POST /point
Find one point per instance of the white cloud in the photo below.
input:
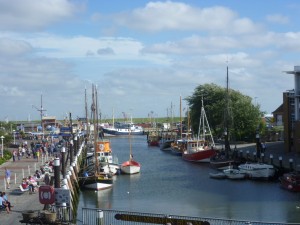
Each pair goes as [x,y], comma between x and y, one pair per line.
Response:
[31,15]
[163,16]
[10,47]
[278,18]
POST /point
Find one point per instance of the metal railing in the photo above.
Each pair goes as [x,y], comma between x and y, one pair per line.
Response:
[94,216]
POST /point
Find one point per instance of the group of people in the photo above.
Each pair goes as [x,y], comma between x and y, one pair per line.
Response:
[34,150]
[32,183]
[21,151]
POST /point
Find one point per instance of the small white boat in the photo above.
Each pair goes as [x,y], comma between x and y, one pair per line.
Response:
[258,170]
[219,175]
[131,166]
[234,174]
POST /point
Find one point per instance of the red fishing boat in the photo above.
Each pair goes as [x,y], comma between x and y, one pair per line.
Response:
[202,148]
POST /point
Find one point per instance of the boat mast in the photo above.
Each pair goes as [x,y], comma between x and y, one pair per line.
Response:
[95,126]
[189,123]
[130,150]
[180,120]
[203,125]
[113,119]
[226,122]
[86,115]
[172,116]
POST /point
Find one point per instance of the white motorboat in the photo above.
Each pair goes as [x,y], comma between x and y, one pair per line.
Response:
[258,170]
[234,174]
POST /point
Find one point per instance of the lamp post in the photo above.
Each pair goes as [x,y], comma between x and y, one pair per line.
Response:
[2,145]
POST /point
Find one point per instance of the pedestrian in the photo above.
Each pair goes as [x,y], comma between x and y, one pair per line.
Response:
[263,147]
[7,177]
[23,151]
[37,155]
[14,155]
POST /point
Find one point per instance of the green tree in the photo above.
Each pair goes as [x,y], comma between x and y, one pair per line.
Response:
[242,116]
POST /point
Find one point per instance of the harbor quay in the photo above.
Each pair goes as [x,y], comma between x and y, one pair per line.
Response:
[26,205]
[274,154]
[23,201]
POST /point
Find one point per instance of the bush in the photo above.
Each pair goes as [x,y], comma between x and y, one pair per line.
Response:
[6,156]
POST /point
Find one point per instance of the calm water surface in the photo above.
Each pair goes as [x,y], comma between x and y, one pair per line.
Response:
[169,185]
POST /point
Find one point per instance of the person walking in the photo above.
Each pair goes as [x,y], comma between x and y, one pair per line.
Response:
[37,154]
[7,177]
[14,155]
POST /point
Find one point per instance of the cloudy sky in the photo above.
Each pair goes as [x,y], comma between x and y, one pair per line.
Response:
[142,55]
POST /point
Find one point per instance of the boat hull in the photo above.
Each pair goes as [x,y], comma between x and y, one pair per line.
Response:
[258,170]
[199,156]
[234,174]
[116,132]
[130,167]
[290,182]
[96,183]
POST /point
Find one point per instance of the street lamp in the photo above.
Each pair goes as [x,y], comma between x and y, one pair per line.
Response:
[2,145]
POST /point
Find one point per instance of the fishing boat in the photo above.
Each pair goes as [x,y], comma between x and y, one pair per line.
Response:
[107,162]
[257,170]
[153,138]
[167,138]
[178,146]
[290,181]
[91,177]
[202,148]
[131,166]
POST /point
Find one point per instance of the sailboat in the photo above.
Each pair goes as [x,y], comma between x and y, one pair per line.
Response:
[202,148]
[131,166]
[223,158]
[91,176]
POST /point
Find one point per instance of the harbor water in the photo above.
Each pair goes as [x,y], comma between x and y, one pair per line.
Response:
[169,185]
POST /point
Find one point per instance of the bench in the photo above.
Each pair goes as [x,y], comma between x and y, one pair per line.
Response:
[2,209]
[22,189]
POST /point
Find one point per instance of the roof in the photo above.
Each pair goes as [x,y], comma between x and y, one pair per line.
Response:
[279,110]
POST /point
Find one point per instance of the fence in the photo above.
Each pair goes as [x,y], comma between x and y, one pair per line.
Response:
[93,216]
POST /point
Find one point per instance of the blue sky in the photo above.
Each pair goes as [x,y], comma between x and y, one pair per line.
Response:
[142,55]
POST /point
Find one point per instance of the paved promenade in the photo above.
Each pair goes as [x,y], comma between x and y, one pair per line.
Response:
[276,150]
[20,200]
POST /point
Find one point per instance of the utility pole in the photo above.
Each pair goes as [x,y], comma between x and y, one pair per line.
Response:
[41,110]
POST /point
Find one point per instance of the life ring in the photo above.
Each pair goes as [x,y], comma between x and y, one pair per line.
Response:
[101,146]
